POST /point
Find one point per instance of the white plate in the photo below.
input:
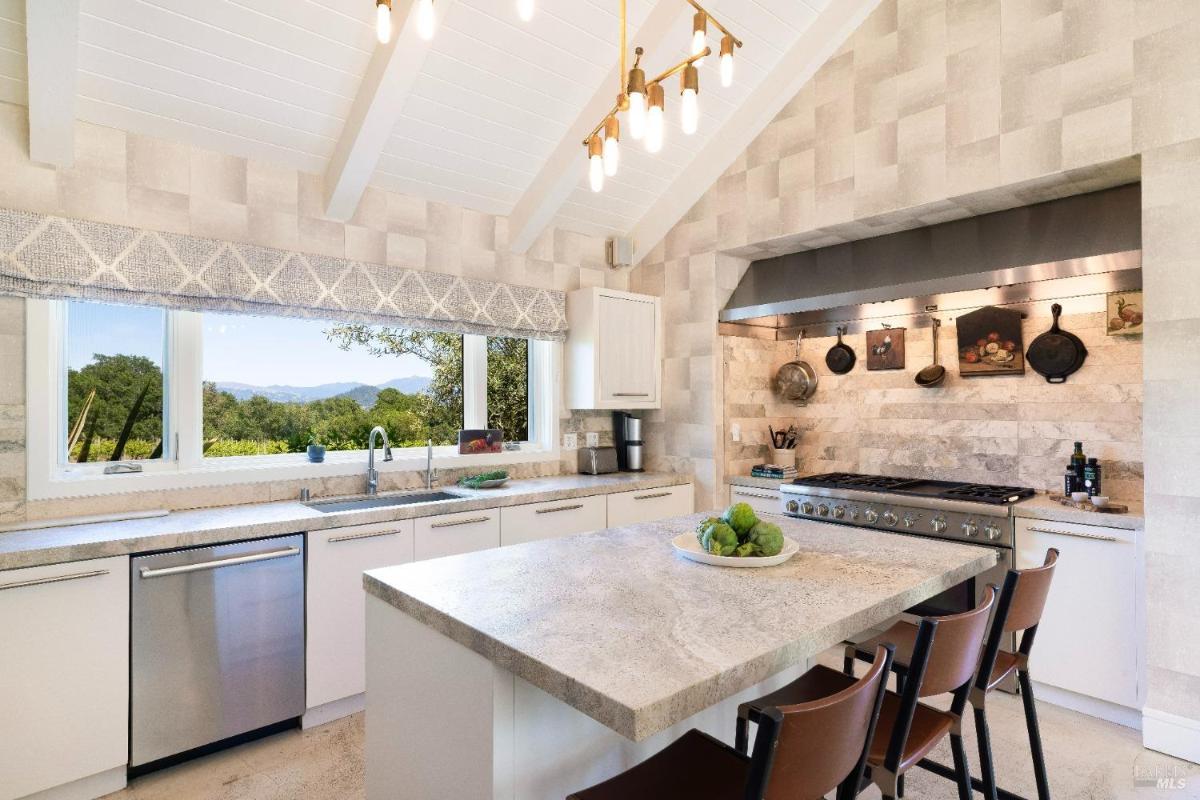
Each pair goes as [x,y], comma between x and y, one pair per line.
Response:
[688,546]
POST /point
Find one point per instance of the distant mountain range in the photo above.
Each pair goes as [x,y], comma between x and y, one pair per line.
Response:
[363,393]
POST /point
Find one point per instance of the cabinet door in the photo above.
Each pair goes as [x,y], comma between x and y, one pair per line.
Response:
[763,501]
[529,523]
[335,641]
[64,673]
[1087,641]
[628,370]
[451,534]
[629,508]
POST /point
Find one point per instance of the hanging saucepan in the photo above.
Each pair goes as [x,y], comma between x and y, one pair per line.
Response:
[1056,353]
[796,381]
[935,373]
[840,358]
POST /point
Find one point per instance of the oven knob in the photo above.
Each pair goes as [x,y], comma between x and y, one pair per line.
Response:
[938,524]
[871,515]
[839,512]
[853,514]
[909,521]
[992,531]
[890,518]
[806,507]
[823,510]
[792,506]
[970,528]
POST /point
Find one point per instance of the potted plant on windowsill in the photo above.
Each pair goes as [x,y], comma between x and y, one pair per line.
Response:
[316,451]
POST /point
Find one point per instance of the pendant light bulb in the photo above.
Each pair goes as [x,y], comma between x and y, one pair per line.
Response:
[525,10]
[596,163]
[690,96]
[426,19]
[383,21]
[612,146]
[655,122]
[727,61]
[699,35]
[635,90]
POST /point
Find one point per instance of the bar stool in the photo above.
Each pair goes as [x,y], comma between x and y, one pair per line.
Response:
[1019,610]
[943,658]
[802,751]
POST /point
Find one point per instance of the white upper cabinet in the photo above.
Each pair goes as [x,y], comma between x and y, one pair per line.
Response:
[614,350]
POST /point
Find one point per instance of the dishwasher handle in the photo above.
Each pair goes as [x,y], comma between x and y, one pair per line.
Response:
[183,569]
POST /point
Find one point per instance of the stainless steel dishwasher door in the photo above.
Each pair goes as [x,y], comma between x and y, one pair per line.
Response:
[218,644]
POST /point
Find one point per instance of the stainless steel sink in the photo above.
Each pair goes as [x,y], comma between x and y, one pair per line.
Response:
[363,503]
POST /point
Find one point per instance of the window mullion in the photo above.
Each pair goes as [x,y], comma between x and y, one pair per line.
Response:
[474,381]
[185,370]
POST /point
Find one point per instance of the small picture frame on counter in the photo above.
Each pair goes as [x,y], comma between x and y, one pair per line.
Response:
[477,442]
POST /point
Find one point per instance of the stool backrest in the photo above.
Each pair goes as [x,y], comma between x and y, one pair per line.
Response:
[954,653]
[1029,596]
[824,743]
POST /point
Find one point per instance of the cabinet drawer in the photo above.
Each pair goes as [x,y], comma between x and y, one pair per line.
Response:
[336,637]
[1092,609]
[64,673]
[528,523]
[452,534]
[763,501]
[629,508]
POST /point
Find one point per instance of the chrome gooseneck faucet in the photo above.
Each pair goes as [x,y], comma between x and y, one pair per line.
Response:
[372,473]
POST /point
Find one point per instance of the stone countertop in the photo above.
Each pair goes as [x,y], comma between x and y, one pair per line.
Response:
[1043,508]
[231,523]
[620,627]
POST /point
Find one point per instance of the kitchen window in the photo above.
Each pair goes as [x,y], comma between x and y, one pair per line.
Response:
[181,398]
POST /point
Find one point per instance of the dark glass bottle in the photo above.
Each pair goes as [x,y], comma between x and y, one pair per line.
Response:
[1092,477]
[1070,481]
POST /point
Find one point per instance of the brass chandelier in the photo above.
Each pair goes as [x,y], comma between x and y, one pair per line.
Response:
[642,100]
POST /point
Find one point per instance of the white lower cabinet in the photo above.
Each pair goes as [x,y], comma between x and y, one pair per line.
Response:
[336,602]
[763,501]
[1089,638]
[647,505]
[529,523]
[452,534]
[64,674]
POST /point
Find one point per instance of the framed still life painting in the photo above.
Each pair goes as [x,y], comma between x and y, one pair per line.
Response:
[990,343]
[1125,313]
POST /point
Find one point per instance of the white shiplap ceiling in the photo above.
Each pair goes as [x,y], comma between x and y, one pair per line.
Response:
[492,99]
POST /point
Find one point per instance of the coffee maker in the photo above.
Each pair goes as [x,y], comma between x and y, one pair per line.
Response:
[627,433]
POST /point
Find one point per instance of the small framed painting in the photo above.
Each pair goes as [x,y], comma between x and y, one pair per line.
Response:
[990,343]
[885,349]
[1125,313]
[474,442]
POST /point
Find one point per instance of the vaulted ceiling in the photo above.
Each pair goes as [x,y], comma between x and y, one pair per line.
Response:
[489,115]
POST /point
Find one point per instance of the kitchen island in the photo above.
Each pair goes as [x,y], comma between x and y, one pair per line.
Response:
[531,671]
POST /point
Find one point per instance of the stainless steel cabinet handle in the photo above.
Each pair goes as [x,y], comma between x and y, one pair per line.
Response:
[652,496]
[354,537]
[56,579]
[148,572]
[740,493]
[470,521]
[631,394]
[1076,534]
[559,508]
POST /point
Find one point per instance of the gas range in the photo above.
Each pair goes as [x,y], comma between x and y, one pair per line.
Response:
[968,512]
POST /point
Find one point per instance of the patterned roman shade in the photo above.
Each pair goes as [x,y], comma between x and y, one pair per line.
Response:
[45,256]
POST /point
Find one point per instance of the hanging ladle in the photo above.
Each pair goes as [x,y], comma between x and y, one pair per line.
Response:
[935,373]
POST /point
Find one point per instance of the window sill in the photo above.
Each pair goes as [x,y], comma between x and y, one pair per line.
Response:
[236,470]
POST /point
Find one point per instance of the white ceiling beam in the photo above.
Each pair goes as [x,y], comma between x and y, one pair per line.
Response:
[377,107]
[557,178]
[802,60]
[52,48]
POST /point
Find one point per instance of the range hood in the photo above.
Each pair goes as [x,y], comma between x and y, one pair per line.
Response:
[1074,247]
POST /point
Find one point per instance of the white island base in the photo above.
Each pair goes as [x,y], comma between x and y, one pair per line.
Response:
[444,722]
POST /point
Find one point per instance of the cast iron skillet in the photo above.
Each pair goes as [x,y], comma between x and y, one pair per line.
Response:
[840,358]
[1056,353]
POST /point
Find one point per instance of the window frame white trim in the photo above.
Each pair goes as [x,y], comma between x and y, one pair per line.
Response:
[184,466]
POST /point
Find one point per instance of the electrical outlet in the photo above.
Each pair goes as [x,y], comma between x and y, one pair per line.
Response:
[592,439]
[571,441]
[735,432]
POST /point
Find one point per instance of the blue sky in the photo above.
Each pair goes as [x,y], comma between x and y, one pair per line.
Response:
[241,349]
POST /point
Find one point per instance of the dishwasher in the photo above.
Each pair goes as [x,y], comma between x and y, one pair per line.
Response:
[217,641]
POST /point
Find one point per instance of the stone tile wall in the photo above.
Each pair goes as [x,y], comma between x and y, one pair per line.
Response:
[1015,430]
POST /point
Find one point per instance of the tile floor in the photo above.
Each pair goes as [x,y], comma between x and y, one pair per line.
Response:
[1088,759]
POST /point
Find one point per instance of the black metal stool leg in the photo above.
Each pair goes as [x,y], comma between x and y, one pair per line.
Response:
[962,772]
[1035,736]
[900,785]
[986,765]
[741,735]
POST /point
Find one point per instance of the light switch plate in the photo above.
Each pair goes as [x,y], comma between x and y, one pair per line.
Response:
[592,439]
[571,441]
